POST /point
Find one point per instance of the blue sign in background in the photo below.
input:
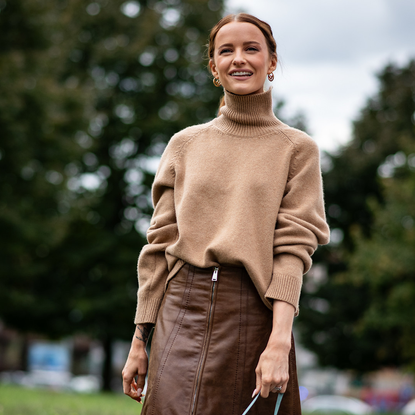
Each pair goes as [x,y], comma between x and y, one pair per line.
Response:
[49,356]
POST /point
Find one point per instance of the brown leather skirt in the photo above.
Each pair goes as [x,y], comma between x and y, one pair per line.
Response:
[206,345]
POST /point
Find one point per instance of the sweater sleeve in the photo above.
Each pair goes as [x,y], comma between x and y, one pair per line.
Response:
[152,263]
[301,224]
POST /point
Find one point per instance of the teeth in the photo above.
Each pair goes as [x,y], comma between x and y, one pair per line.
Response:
[241,74]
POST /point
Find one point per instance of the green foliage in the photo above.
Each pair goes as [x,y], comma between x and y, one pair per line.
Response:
[39,117]
[18,401]
[149,80]
[385,263]
[384,127]
[89,95]
[360,318]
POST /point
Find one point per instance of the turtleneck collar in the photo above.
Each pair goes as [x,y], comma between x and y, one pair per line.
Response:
[247,115]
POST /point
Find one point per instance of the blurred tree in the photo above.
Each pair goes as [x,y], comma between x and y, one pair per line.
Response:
[40,113]
[385,263]
[339,319]
[135,71]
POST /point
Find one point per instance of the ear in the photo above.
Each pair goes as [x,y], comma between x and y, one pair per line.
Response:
[212,67]
[272,64]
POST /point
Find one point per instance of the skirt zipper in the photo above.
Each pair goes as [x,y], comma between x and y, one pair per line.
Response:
[203,357]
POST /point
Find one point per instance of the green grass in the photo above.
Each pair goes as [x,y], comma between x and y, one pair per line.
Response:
[20,401]
[345,413]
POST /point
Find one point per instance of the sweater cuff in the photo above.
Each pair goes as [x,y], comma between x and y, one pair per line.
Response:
[287,279]
[147,311]
[285,288]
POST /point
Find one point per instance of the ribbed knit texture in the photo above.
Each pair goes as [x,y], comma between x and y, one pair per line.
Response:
[248,115]
[244,189]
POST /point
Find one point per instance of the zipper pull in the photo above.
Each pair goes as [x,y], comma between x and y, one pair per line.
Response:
[215,274]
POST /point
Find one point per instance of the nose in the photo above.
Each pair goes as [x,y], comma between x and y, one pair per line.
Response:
[239,58]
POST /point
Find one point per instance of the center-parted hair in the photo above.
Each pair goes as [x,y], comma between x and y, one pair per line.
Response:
[264,27]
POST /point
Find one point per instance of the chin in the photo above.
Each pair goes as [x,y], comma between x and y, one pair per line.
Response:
[243,89]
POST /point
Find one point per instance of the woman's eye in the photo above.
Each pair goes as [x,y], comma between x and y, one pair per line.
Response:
[253,48]
[224,51]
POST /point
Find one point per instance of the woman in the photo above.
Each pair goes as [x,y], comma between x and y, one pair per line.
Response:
[238,213]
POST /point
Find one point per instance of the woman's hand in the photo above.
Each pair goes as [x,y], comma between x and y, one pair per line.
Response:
[272,369]
[135,369]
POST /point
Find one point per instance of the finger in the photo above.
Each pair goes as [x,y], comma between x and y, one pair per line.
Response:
[141,379]
[126,383]
[266,385]
[135,393]
[139,395]
[279,387]
[257,382]
[130,387]
[276,389]
[284,383]
[138,390]
[265,390]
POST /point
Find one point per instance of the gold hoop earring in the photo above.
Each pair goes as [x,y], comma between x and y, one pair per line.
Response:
[271,76]
[216,82]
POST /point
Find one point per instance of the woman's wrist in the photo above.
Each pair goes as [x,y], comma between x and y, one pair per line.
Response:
[279,340]
[283,317]
[141,335]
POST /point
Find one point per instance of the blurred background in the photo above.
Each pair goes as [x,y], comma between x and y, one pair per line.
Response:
[90,93]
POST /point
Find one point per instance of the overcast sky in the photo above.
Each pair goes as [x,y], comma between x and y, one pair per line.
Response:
[330,51]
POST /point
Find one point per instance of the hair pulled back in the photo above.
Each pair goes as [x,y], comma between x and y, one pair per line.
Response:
[264,27]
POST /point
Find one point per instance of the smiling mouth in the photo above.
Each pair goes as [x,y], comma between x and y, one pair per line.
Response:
[241,73]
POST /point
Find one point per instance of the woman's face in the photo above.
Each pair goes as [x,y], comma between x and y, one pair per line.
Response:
[241,58]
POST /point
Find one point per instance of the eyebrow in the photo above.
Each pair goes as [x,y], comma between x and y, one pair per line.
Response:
[245,43]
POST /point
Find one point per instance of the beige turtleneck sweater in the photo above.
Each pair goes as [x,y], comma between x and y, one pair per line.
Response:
[244,189]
